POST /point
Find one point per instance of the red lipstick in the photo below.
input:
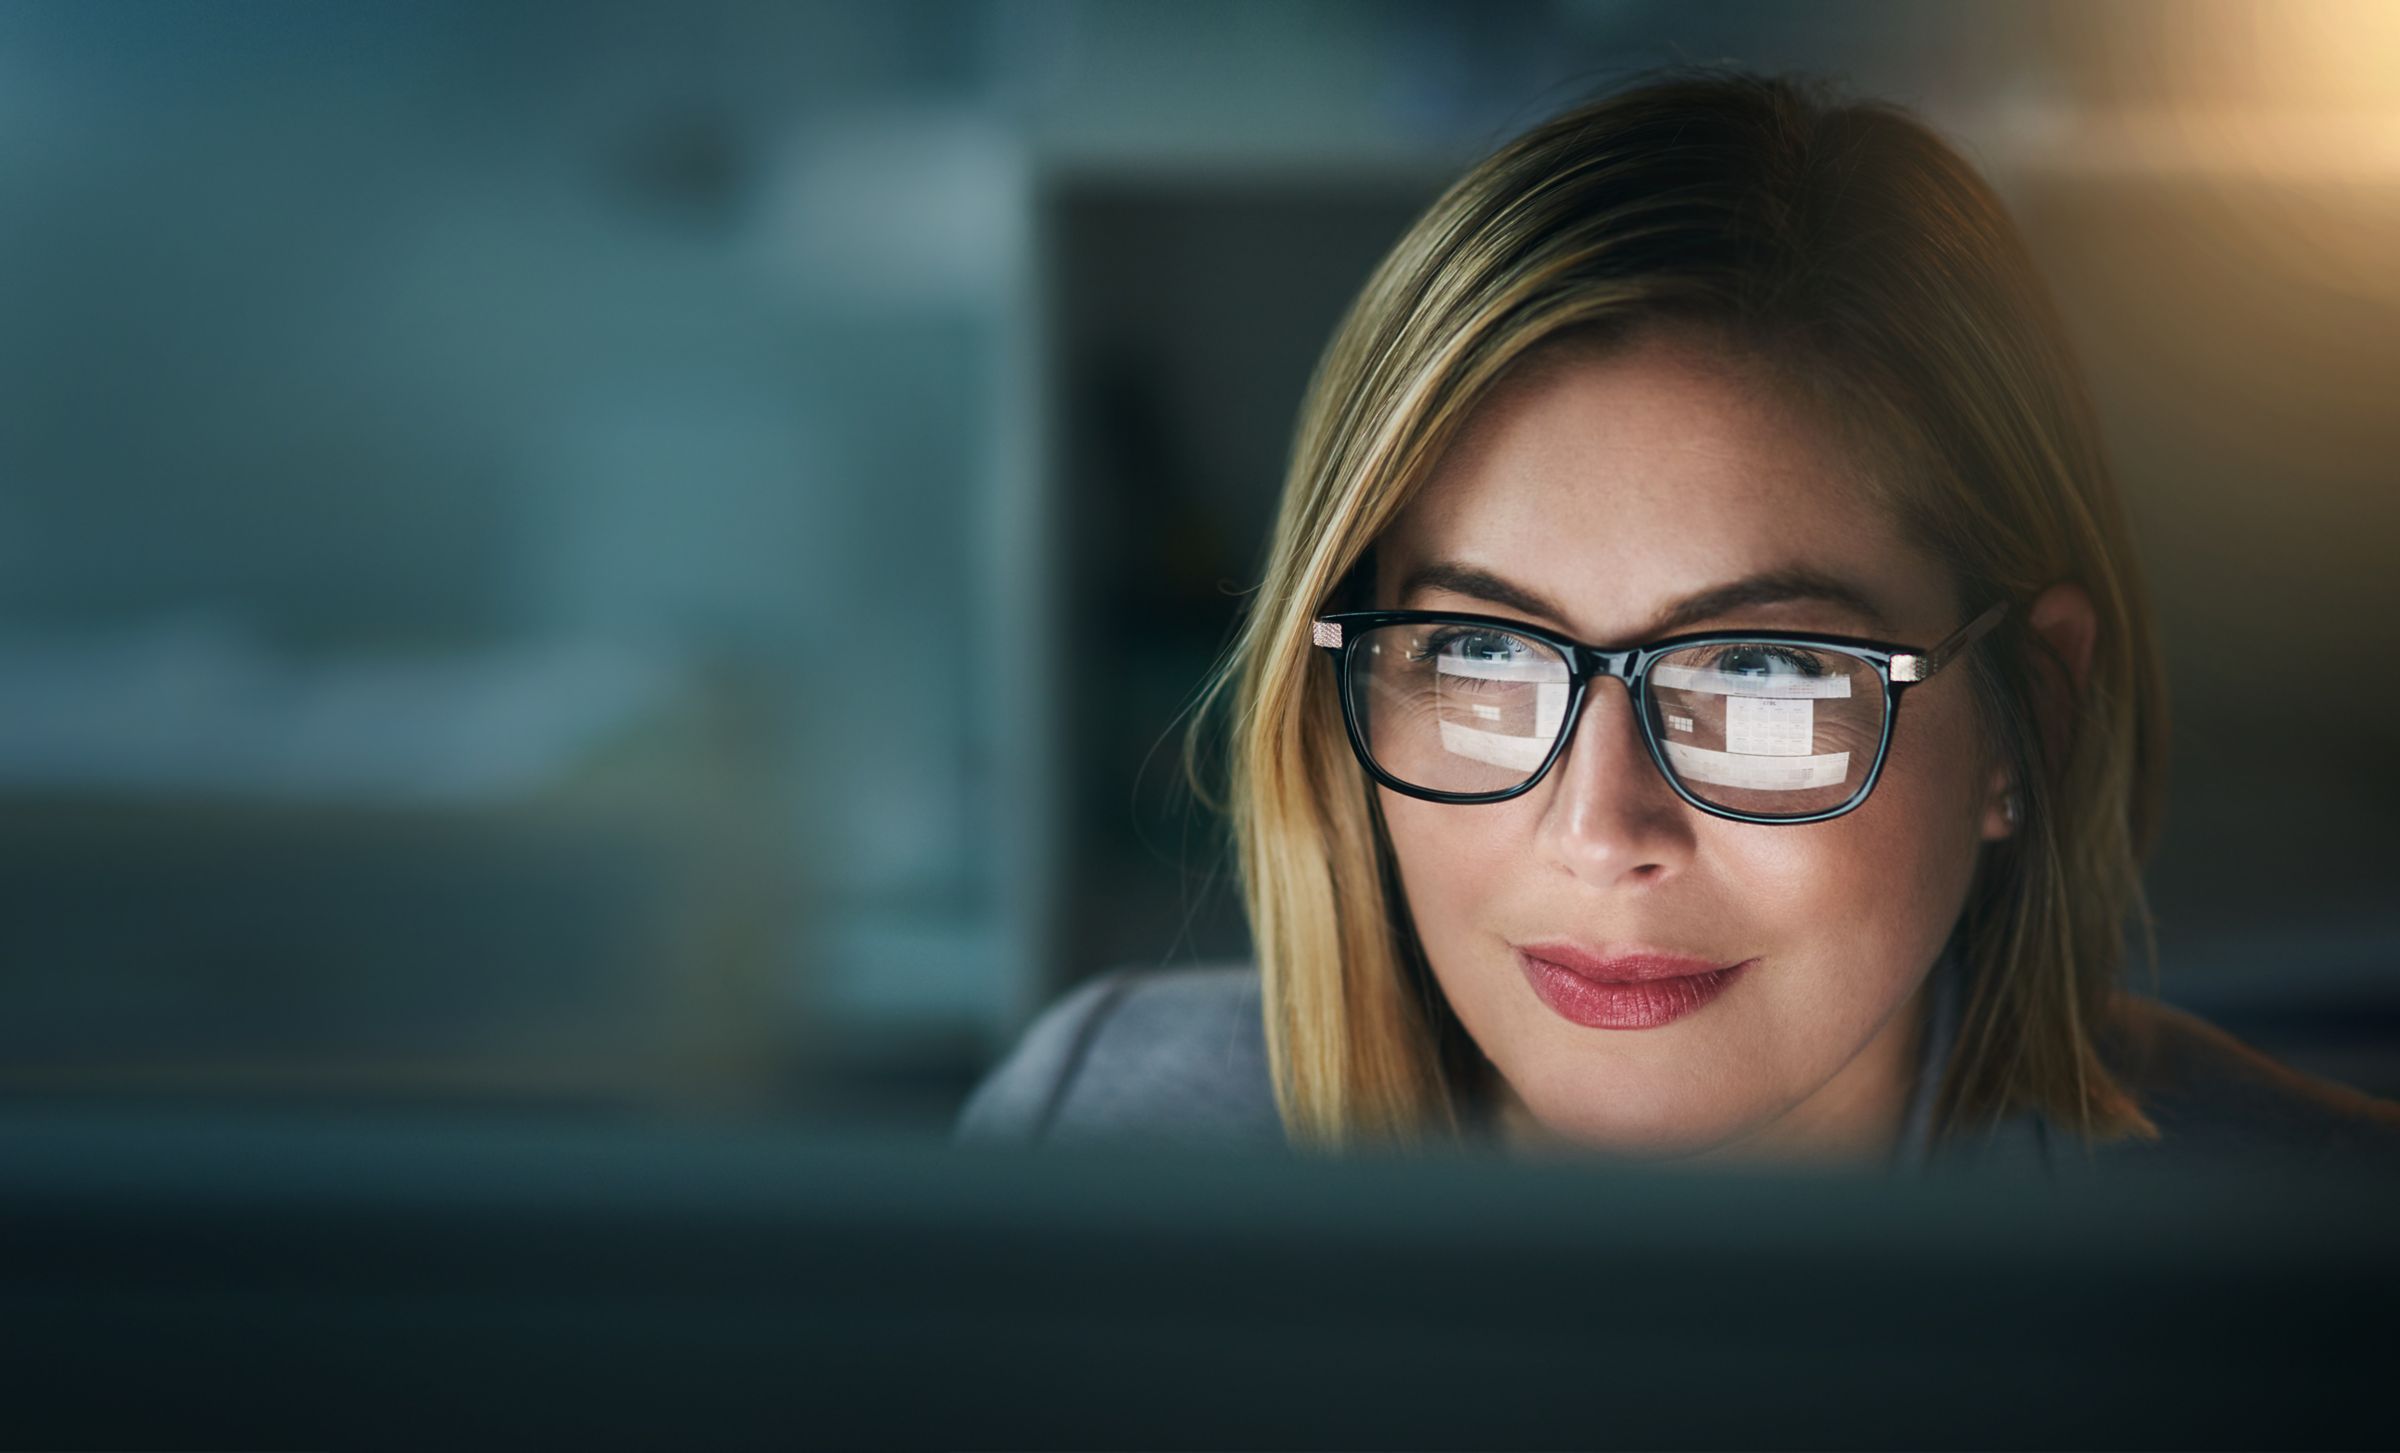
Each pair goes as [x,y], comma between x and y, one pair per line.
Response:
[1623,989]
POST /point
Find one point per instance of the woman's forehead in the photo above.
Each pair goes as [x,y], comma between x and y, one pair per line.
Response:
[1613,485]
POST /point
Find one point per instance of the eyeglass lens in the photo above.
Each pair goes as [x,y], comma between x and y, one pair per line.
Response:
[1764,728]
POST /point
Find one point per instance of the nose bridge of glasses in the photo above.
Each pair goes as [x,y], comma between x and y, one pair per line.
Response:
[1597,667]
[1595,663]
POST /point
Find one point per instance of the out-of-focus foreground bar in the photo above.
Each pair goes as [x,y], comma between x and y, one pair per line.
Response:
[190,1281]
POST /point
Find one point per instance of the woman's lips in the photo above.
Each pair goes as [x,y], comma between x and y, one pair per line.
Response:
[1655,990]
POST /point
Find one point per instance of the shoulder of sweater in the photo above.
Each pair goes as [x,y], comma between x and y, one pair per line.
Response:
[2214,1097]
[1136,1052]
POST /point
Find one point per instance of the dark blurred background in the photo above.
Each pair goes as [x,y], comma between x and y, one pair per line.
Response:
[651,556]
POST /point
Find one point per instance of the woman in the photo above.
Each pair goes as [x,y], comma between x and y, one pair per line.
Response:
[1701,704]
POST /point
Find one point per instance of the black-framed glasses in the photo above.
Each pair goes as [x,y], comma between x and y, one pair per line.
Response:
[1756,726]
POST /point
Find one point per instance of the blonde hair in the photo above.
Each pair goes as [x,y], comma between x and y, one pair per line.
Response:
[1849,249]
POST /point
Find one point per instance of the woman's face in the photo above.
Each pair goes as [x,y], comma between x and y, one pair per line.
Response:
[1599,493]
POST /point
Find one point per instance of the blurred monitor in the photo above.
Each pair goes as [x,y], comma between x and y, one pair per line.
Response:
[182,1280]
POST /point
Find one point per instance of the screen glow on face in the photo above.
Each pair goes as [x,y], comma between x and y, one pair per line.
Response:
[1606,493]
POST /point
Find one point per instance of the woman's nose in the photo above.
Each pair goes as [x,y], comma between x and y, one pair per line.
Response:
[1610,812]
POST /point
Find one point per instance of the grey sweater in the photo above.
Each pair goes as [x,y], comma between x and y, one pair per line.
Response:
[1181,1054]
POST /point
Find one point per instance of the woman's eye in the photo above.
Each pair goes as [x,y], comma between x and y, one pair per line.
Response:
[1759,659]
[1467,645]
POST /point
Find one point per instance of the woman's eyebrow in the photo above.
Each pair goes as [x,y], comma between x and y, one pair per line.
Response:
[1766,587]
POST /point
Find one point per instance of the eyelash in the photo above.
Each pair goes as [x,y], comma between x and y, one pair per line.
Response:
[1802,659]
[1448,635]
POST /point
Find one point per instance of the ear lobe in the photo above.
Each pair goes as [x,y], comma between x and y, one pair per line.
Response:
[1996,821]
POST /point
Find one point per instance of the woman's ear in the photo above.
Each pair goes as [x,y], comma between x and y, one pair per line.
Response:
[2063,619]
[2063,616]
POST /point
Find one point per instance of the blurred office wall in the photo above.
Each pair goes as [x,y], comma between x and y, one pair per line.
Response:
[655,554]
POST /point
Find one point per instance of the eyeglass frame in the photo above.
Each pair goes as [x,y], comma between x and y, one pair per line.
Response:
[1898,666]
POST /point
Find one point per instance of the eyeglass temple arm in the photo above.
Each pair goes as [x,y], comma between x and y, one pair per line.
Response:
[1920,665]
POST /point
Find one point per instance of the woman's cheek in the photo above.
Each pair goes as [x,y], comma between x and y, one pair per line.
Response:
[1457,865]
[1893,876]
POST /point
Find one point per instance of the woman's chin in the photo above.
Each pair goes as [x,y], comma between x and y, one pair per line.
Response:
[1670,1136]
